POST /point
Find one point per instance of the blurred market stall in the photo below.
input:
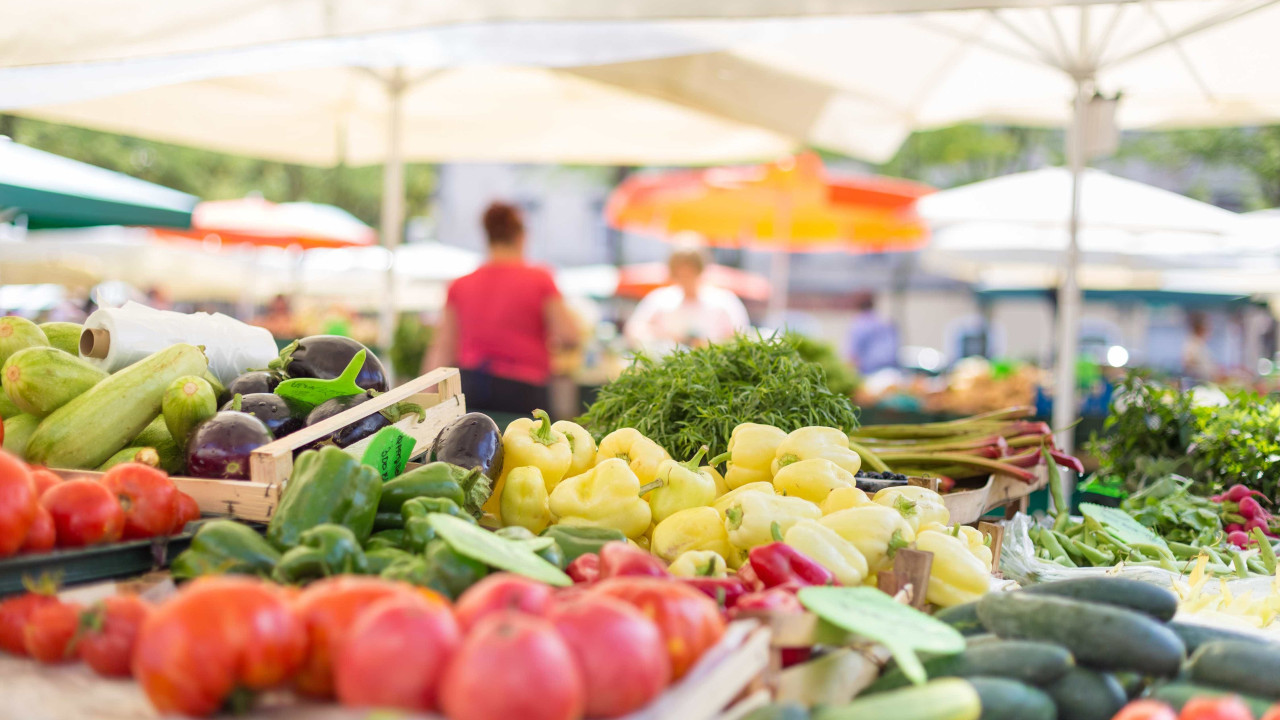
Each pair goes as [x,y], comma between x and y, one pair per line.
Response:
[254,221]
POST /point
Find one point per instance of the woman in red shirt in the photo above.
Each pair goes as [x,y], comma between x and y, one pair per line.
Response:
[501,322]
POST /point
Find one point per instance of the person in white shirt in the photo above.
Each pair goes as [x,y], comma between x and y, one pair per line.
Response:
[687,312]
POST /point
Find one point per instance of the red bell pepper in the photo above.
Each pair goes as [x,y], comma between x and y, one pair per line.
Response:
[585,568]
[748,576]
[778,564]
[725,591]
[618,559]
[777,599]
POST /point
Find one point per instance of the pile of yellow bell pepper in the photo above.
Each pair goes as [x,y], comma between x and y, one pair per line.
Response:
[797,488]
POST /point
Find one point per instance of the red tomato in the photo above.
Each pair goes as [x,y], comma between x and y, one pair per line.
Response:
[690,621]
[512,665]
[415,635]
[620,653]
[1146,710]
[328,609]
[84,513]
[218,634]
[14,613]
[502,591]
[188,511]
[44,479]
[109,630]
[1227,707]
[40,536]
[17,503]
[49,631]
[147,497]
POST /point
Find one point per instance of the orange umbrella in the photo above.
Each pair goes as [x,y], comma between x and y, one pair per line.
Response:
[254,221]
[636,281]
[791,204]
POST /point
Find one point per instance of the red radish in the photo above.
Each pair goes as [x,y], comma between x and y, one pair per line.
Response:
[1256,523]
[1239,492]
[1251,508]
[1234,527]
[1239,539]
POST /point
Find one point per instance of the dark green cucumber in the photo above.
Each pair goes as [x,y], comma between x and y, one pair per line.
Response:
[1244,667]
[1035,663]
[1133,683]
[1083,694]
[1099,636]
[1004,699]
[1178,694]
[963,618]
[1143,597]
[1193,636]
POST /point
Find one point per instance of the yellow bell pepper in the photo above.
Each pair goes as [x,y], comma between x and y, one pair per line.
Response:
[957,576]
[723,502]
[977,544]
[877,531]
[919,505]
[524,499]
[530,442]
[697,528]
[721,486]
[607,495]
[642,454]
[684,485]
[582,447]
[699,563]
[812,480]
[751,450]
[817,442]
[756,519]
[843,499]
[829,550]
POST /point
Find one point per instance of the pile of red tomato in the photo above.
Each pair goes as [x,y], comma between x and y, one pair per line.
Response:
[1227,707]
[40,511]
[511,647]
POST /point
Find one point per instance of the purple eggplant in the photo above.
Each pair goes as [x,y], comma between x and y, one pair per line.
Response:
[271,409]
[219,447]
[253,382]
[356,431]
[324,357]
[471,441]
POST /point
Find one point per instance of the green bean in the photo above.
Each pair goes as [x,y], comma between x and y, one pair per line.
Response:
[1067,545]
[1097,557]
[1052,545]
[1257,566]
[1064,561]
[1183,550]
[1242,568]
[1075,530]
[1268,553]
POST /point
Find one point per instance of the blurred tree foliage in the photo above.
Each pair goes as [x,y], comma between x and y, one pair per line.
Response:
[967,153]
[218,176]
[1253,151]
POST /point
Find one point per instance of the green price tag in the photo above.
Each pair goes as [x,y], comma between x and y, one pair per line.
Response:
[311,392]
[388,451]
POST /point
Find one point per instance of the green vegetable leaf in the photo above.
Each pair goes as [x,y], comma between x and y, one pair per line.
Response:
[482,545]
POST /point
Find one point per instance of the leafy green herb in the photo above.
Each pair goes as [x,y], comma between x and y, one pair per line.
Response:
[692,398]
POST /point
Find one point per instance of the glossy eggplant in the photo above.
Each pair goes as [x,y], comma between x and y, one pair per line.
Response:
[356,431]
[220,446]
[271,409]
[471,441]
[253,382]
[324,357]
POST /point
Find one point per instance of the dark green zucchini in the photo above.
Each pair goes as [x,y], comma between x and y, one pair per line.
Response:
[1134,684]
[963,618]
[1244,667]
[1083,694]
[1099,636]
[1035,663]
[1004,699]
[1178,694]
[1143,597]
[1193,636]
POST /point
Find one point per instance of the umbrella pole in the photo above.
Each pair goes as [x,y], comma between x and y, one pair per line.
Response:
[1069,297]
[392,203]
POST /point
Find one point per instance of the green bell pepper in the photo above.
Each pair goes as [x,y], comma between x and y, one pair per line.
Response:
[440,569]
[327,486]
[388,521]
[437,479]
[384,557]
[417,530]
[544,547]
[323,550]
[385,539]
[580,540]
[225,546]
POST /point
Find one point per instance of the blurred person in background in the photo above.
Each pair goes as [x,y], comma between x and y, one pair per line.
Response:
[873,340]
[687,312]
[502,322]
[278,318]
[1197,359]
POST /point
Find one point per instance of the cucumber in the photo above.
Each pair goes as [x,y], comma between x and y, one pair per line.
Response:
[1003,699]
[1193,636]
[7,408]
[134,453]
[42,379]
[18,431]
[1030,662]
[64,335]
[963,618]
[94,426]
[1243,667]
[1178,694]
[945,699]
[1083,694]
[1143,597]
[156,435]
[17,333]
[1099,636]
[1132,683]
[187,402]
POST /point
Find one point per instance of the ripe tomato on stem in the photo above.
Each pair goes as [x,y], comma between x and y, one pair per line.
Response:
[41,536]
[620,653]
[44,479]
[18,502]
[1146,710]
[108,632]
[84,513]
[15,612]
[502,591]
[50,630]
[1227,707]
[188,511]
[690,622]
[147,497]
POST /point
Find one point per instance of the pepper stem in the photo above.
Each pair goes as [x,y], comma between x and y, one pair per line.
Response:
[646,488]
[896,543]
[693,463]
[905,507]
[787,459]
[722,457]
[543,433]
[733,518]
[775,529]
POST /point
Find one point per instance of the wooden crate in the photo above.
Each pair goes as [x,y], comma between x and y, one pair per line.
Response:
[271,464]
[967,506]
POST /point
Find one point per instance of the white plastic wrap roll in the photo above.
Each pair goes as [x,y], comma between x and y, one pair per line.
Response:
[136,331]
